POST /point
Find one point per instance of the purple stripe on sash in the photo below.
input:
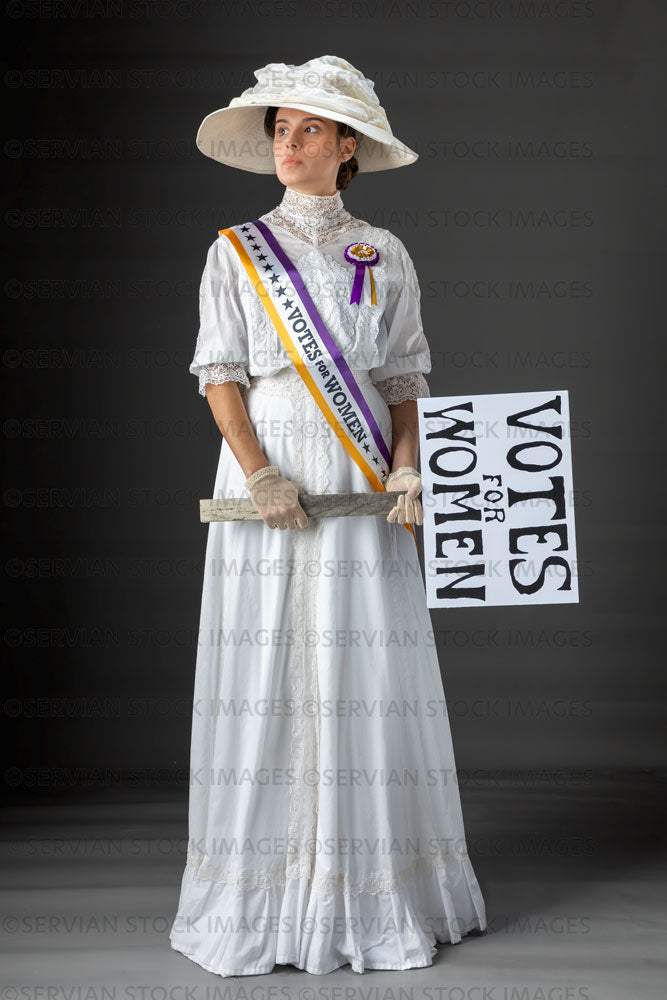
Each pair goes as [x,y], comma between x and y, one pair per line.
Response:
[330,343]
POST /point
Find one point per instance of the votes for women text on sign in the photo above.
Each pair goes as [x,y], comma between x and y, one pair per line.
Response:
[497,498]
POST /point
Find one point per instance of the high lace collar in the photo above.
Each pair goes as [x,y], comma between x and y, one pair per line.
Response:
[314,218]
[319,211]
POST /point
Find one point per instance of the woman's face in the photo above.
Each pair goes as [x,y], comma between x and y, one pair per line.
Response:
[308,152]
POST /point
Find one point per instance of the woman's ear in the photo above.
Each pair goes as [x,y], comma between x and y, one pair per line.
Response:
[347,147]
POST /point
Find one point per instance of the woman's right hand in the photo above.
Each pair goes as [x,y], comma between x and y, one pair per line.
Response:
[277,501]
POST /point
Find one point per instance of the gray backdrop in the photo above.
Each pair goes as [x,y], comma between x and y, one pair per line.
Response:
[535,219]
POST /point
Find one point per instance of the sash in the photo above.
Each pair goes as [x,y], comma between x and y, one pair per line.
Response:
[312,349]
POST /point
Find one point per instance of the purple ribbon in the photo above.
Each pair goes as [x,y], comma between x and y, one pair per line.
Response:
[328,340]
[358,284]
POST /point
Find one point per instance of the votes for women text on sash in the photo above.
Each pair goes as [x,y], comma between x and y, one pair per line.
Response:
[498,499]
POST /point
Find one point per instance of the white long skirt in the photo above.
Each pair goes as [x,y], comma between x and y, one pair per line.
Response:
[325,822]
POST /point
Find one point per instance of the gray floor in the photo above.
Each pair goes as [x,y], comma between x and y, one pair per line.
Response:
[572,872]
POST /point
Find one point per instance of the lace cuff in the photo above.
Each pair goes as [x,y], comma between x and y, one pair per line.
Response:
[398,388]
[223,371]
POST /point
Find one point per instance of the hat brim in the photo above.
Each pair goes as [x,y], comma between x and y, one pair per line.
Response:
[236,137]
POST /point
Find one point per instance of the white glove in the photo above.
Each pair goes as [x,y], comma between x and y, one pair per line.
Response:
[408,507]
[276,499]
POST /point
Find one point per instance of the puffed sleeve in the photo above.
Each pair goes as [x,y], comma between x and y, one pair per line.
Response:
[401,376]
[221,354]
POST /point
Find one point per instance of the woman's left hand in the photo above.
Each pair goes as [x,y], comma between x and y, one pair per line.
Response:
[408,482]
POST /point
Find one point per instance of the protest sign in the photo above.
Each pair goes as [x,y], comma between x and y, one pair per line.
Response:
[498,499]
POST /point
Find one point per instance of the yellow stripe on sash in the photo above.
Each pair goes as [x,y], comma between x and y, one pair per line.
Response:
[288,343]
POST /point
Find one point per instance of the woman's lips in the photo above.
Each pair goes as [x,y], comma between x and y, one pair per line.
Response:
[291,162]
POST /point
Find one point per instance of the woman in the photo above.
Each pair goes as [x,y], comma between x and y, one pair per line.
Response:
[325,819]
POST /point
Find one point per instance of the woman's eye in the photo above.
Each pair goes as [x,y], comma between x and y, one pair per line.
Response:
[281,129]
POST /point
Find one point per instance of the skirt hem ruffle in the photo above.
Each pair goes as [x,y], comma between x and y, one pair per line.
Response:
[366,931]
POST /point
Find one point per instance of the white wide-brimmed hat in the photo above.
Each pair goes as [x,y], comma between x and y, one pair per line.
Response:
[329,86]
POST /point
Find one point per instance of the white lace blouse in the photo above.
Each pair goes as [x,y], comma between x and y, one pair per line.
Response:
[237,340]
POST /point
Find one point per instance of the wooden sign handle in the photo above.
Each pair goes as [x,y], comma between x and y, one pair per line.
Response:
[315,505]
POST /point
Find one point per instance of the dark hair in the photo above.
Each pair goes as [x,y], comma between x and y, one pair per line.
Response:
[346,171]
